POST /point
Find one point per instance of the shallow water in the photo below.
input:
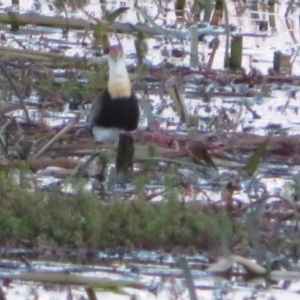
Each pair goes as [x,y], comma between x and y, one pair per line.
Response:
[221,103]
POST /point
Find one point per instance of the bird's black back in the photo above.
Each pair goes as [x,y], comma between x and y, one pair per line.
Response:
[122,113]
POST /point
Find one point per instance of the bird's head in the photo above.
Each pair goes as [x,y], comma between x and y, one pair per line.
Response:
[116,54]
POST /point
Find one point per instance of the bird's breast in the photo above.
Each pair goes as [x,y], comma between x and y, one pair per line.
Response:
[119,87]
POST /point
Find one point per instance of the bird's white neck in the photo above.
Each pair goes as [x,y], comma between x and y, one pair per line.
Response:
[118,83]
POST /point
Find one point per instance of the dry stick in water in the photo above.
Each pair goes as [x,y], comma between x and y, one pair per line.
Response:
[66,13]
[3,69]
[80,24]
[67,128]
[178,101]
[48,58]
[227,32]
[90,293]
[215,46]
[194,46]
[188,277]
[2,294]
[10,107]
[70,279]
[81,168]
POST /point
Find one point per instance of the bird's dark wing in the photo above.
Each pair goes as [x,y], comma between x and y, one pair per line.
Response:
[95,110]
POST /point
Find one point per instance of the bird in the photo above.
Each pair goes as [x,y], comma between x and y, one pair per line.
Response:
[116,109]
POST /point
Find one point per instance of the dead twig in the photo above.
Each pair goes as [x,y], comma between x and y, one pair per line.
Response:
[3,69]
[61,278]
[67,128]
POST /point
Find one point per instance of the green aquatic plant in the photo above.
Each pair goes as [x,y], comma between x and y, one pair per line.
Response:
[83,219]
